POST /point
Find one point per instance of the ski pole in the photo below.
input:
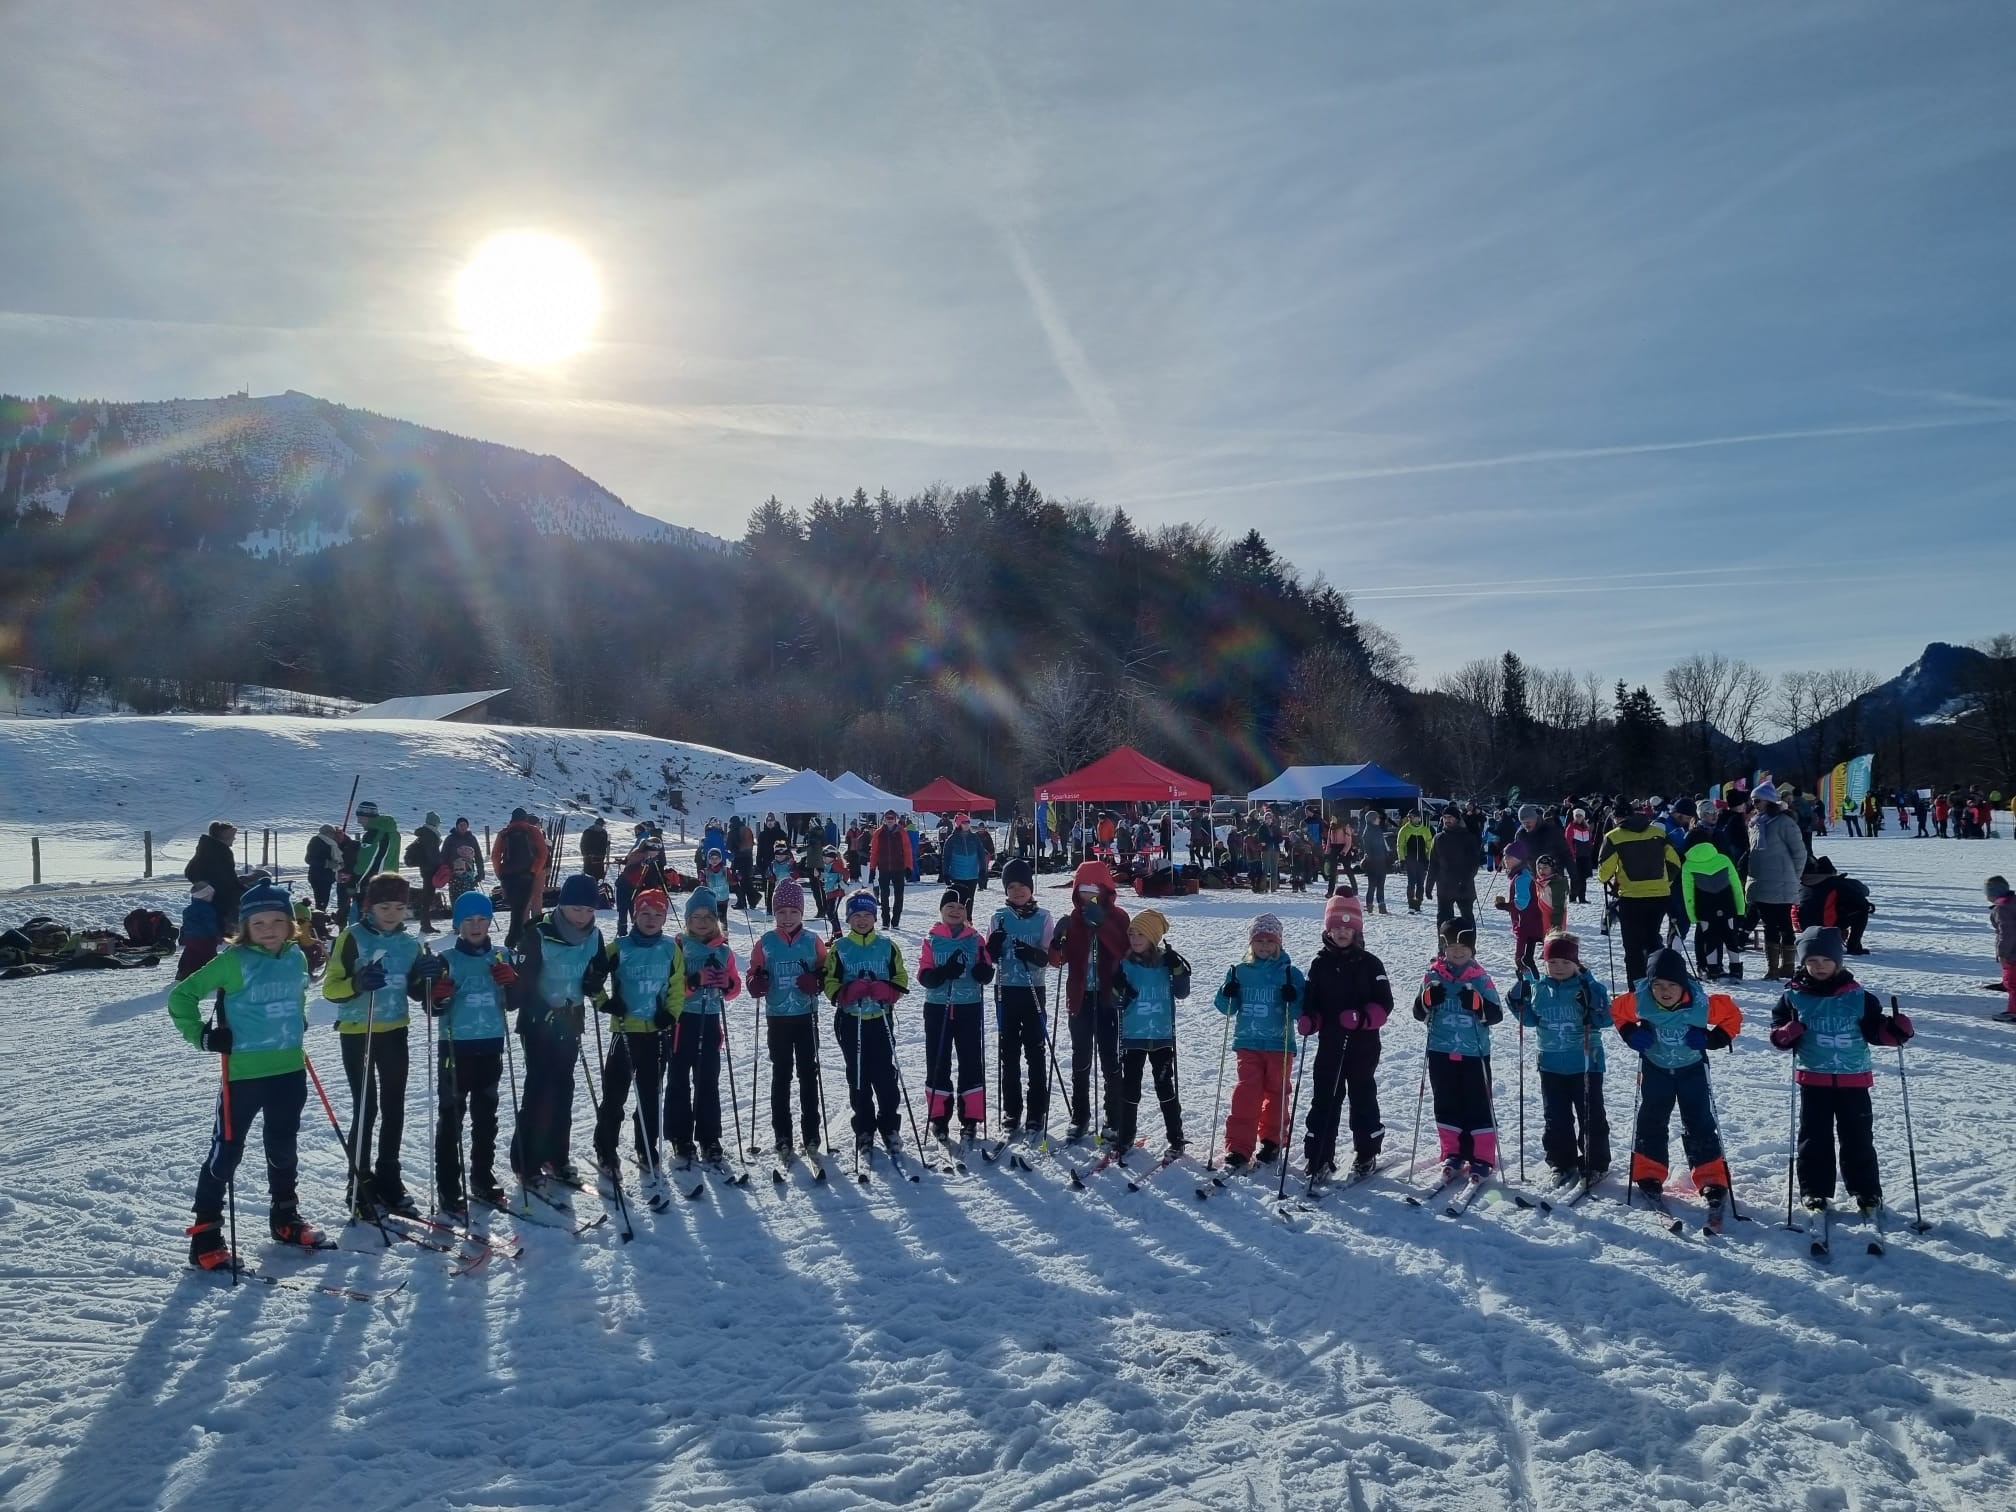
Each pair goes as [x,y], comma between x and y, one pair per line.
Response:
[231,1185]
[365,1103]
[517,1109]
[1791,1137]
[1910,1144]
[581,1048]
[819,1073]
[1294,1108]
[1420,1099]
[433,1074]
[348,802]
[1637,1094]
[1715,1117]
[1522,1099]
[1056,1074]
[1218,1097]
[854,1100]
[453,1110]
[734,1098]
[889,1027]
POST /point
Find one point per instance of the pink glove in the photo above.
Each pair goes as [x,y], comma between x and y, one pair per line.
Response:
[853,993]
[805,982]
[1349,1018]
[1373,1016]
[1305,1026]
[1896,1029]
[1785,1036]
[884,993]
[714,976]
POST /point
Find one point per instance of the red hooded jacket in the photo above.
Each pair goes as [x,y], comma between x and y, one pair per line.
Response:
[1072,942]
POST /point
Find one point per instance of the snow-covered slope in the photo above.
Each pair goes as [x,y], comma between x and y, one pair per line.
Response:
[294,474]
[89,787]
[998,1341]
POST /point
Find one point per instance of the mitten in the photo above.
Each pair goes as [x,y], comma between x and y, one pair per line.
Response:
[1305,1026]
[759,982]
[806,982]
[503,973]
[983,972]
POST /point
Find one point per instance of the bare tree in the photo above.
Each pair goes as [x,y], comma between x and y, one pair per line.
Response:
[1063,719]
[1333,707]
[1705,690]
[1383,656]
[1467,724]
[1820,711]
[1747,712]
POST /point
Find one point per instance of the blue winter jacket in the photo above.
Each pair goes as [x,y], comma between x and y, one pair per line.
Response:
[1569,1016]
[1264,1021]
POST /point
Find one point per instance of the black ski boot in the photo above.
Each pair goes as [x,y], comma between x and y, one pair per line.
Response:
[287,1227]
[1269,1152]
[1235,1161]
[207,1249]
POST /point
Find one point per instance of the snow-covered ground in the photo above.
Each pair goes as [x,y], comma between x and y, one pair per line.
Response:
[999,1341]
[90,786]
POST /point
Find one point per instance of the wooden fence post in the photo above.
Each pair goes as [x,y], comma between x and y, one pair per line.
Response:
[147,851]
[35,850]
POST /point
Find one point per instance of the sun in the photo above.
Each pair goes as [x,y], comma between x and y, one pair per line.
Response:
[527,297]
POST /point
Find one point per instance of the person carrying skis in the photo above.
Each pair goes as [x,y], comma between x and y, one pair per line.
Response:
[1412,844]
[1459,1003]
[646,979]
[470,1002]
[787,969]
[374,966]
[1346,1005]
[1672,1022]
[1828,1020]
[693,1081]
[260,985]
[1712,893]
[1565,1005]
[1093,934]
[1152,979]
[865,976]
[954,967]
[562,961]
[1019,940]
[1261,992]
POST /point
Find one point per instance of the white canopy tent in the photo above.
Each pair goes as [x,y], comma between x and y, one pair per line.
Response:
[1301,784]
[803,792]
[867,796]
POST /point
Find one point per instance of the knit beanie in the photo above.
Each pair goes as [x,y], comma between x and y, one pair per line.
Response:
[1151,923]
[433,820]
[580,891]
[471,905]
[863,902]
[951,895]
[1561,946]
[1458,931]
[787,894]
[1266,924]
[701,898]
[1344,909]
[267,897]
[1018,870]
[1668,965]
[1819,940]
[656,895]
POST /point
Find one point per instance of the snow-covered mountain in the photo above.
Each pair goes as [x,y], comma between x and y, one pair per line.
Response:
[291,473]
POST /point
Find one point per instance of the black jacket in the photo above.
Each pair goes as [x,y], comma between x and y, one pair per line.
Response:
[1350,977]
[214,863]
[1453,861]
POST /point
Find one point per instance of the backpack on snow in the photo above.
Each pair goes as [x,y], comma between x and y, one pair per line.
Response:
[149,928]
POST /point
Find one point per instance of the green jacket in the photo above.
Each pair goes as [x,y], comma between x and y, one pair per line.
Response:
[1412,837]
[265,1004]
[378,846]
[1708,871]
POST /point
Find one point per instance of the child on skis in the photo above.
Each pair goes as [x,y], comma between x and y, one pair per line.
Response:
[470,1001]
[561,959]
[693,1085]
[864,978]
[1672,1022]
[260,985]
[1019,940]
[1828,1021]
[787,968]
[1711,890]
[1565,1005]
[1153,979]
[1089,944]
[1552,886]
[646,977]
[1261,992]
[2002,916]
[1348,1001]
[954,966]
[779,869]
[372,967]
[715,878]
[1522,902]
[1459,1003]
[832,888]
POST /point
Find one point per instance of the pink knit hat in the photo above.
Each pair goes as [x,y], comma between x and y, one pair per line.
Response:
[1266,924]
[1344,909]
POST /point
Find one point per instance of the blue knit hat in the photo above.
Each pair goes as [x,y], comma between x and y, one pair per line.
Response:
[861,902]
[472,905]
[267,897]
[578,891]
[702,897]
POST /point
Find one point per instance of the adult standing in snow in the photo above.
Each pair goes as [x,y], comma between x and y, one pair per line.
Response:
[423,854]
[1777,861]
[324,856]
[889,858]
[519,854]
[595,849]
[1638,864]
[215,864]
[1453,861]
[1581,837]
[1413,843]
[1376,849]
[1538,836]
[766,839]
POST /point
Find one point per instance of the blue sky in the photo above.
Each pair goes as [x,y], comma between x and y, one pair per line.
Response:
[1606,333]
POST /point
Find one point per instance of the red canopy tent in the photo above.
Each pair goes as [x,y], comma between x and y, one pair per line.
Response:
[944,796]
[1124,776]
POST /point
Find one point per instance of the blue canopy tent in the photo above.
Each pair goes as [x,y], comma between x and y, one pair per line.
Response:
[1370,783]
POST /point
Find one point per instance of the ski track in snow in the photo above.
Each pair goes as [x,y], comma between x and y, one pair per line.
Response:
[998,1341]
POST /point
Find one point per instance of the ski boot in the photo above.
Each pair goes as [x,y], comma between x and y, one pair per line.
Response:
[1269,1152]
[1362,1166]
[286,1226]
[968,1130]
[608,1178]
[1736,969]
[399,1200]
[1652,1187]
[941,1128]
[567,1171]
[713,1154]
[207,1249]
[1236,1161]
[485,1187]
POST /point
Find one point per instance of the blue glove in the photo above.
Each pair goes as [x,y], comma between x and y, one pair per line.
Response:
[1697,1037]
[430,967]
[1640,1038]
[1091,913]
[371,978]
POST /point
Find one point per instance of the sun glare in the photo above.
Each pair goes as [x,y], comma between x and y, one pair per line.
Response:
[527,297]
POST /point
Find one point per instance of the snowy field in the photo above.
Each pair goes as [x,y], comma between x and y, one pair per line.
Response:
[999,1341]
[90,786]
